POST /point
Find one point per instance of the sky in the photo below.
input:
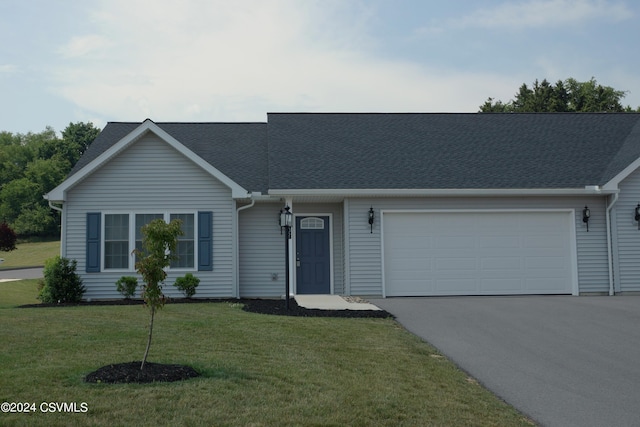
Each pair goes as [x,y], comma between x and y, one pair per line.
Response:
[64,61]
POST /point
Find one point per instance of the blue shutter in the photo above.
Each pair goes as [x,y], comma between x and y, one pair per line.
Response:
[93,242]
[205,241]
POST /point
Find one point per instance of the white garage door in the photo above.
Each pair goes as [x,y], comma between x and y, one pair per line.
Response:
[478,253]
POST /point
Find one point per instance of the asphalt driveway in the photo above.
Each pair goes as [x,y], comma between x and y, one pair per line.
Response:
[561,360]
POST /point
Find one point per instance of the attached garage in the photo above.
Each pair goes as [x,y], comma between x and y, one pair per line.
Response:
[479,253]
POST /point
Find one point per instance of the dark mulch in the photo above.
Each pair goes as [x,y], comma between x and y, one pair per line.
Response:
[131,373]
[278,307]
[261,306]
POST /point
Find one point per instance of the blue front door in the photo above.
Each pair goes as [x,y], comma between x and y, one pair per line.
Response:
[313,257]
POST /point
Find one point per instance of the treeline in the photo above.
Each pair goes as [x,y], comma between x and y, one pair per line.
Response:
[569,96]
[33,164]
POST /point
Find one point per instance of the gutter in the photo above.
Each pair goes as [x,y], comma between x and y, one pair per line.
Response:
[609,243]
[450,192]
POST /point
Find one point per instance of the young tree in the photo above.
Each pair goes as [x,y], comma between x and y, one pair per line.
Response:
[159,241]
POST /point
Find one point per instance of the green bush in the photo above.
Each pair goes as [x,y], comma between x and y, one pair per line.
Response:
[127,285]
[187,284]
[61,283]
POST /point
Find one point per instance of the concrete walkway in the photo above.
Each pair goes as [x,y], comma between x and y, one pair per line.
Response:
[562,360]
[331,302]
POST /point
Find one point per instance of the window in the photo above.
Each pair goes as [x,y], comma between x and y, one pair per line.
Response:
[142,220]
[121,234]
[312,223]
[186,243]
[116,241]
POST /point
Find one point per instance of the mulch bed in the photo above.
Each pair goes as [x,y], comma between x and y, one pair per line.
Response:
[158,372]
[131,373]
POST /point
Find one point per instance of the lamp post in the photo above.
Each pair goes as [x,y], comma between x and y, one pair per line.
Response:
[286,221]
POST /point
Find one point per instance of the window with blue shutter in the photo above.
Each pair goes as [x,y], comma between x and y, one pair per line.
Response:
[205,241]
[93,242]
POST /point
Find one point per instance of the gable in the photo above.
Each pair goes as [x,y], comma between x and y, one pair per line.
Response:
[107,149]
[145,172]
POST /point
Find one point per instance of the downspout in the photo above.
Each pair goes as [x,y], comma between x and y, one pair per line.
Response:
[609,243]
[241,208]
[63,244]
[55,208]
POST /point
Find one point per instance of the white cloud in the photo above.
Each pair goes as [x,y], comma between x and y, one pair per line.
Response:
[221,60]
[538,14]
[80,46]
[8,68]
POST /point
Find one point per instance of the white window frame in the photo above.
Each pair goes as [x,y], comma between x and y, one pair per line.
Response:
[166,215]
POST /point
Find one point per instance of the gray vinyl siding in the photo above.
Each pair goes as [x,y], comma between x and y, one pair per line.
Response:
[364,256]
[151,176]
[261,248]
[627,236]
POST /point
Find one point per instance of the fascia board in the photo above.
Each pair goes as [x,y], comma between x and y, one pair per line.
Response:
[614,182]
[58,194]
[484,192]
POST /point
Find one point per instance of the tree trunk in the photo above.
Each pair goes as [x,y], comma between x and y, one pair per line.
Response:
[146,352]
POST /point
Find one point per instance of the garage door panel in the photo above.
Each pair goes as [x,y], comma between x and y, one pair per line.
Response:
[550,285]
[499,242]
[455,287]
[499,286]
[455,264]
[506,263]
[492,253]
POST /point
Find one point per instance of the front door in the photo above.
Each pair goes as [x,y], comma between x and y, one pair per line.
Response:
[313,257]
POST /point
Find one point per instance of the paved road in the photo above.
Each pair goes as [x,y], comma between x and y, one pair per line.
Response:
[563,361]
[26,273]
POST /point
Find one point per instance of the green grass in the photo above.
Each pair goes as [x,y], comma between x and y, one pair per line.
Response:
[30,254]
[258,370]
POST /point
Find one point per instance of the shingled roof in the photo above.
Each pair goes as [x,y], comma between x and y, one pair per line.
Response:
[408,151]
[449,151]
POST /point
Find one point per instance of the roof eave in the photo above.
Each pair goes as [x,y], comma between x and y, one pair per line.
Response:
[443,192]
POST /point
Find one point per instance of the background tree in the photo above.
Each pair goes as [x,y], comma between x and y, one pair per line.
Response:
[33,164]
[78,137]
[568,96]
[159,241]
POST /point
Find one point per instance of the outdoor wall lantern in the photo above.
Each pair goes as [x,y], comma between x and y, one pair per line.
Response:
[586,214]
[637,212]
[371,218]
[285,222]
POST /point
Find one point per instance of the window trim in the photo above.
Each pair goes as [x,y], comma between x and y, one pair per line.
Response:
[166,214]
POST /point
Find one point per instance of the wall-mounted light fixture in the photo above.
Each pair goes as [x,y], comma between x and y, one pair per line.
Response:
[586,214]
[637,216]
[371,218]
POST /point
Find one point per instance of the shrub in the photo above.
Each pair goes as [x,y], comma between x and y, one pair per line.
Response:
[127,285]
[7,238]
[61,283]
[187,284]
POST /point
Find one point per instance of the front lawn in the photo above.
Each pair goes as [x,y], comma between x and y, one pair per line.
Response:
[256,369]
[30,254]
